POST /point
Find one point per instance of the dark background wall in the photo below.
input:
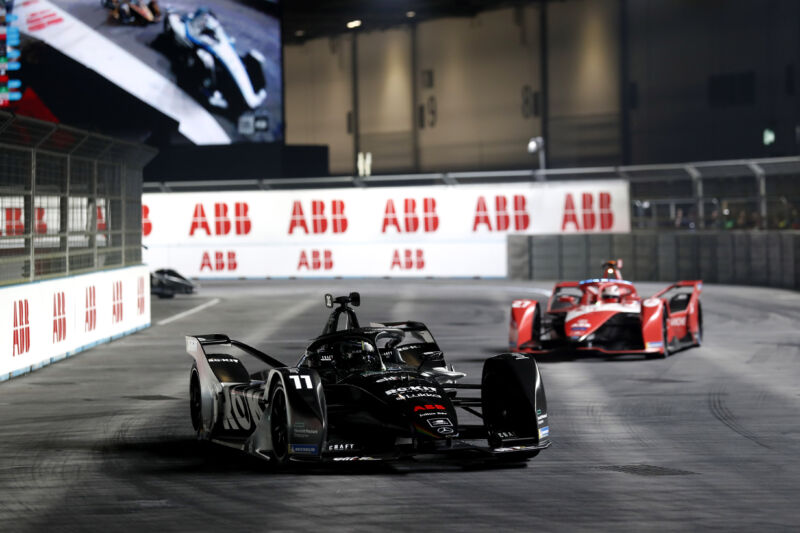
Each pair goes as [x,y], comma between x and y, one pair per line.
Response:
[707,77]
[237,161]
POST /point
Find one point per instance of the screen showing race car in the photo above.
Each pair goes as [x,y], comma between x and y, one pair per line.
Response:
[213,67]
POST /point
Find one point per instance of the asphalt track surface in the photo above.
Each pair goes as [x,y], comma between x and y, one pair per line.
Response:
[708,439]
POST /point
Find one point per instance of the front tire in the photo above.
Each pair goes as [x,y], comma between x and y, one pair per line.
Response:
[279,425]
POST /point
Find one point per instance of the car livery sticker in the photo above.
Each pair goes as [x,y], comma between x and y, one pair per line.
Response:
[306,449]
[438,422]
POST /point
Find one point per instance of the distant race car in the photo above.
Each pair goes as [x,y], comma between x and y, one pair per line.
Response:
[381,392]
[606,315]
[204,58]
[166,283]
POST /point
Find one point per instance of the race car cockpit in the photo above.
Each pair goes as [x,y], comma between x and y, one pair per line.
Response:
[336,358]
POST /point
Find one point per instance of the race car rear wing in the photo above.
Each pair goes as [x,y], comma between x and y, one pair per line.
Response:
[224,367]
[567,284]
[697,285]
[218,338]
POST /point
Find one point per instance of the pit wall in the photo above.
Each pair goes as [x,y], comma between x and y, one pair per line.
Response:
[44,322]
[764,258]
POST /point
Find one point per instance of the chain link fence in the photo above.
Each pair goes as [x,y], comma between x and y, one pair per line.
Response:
[70,200]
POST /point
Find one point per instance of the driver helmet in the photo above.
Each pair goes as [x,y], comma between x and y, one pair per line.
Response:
[357,355]
[611,293]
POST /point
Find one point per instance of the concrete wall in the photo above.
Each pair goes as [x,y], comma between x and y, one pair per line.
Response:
[583,82]
[733,257]
[483,68]
[319,96]
[385,117]
[628,81]
[477,112]
[47,321]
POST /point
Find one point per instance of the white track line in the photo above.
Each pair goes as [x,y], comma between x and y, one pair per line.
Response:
[188,312]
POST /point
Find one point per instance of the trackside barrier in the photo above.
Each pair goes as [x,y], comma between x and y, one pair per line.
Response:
[762,258]
[441,230]
[733,194]
[43,322]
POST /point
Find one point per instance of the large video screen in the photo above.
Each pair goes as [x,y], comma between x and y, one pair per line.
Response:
[213,67]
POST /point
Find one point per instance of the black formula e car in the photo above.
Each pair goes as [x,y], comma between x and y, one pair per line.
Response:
[381,392]
[166,283]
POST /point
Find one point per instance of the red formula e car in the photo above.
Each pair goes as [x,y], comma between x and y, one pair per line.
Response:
[607,315]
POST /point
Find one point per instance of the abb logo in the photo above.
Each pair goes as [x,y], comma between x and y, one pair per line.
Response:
[222,222]
[90,315]
[140,296]
[22,328]
[429,407]
[502,218]
[219,261]
[320,260]
[116,302]
[147,226]
[15,224]
[319,222]
[101,220]
[408,259]
[59,317]
[39,20]
[589,217]
[410,217]
[678,322]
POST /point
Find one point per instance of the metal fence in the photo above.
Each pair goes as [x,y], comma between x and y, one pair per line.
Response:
[766,258]
[740,194]
[70,200]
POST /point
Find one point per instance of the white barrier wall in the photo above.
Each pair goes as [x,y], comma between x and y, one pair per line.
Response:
[438,231]
[45,321]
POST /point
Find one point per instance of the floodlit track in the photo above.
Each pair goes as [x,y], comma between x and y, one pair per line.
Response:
[708,439]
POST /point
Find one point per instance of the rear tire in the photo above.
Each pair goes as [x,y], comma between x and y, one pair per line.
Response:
[698,337]
[536,334]
[665,334]
[195,401]
[278,425]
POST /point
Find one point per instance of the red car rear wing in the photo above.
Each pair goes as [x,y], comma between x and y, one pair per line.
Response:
[696,283]
[567,284]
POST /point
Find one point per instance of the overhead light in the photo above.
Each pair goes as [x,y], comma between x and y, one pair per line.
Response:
[535,144]
[354,24]
[411,14]
[768,137]
[299,33]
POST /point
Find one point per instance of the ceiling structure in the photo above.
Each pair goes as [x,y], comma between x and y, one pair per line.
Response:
[308,19]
